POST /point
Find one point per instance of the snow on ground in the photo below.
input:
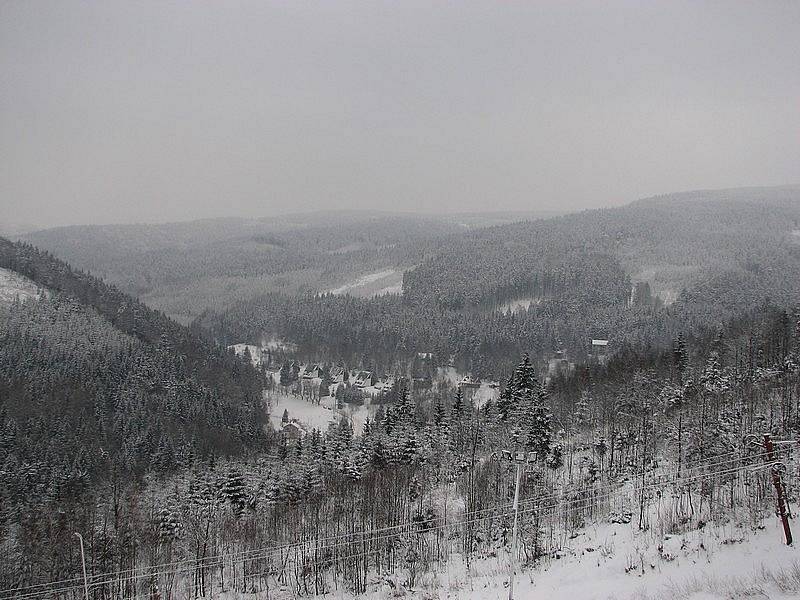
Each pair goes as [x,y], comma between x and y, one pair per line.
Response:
[273,344]
[13,285]
[315,416]
[515,306]
[358,414]
[485,393]
[389,281]
[255,352]
[479,396]
[613,562]
[616,561]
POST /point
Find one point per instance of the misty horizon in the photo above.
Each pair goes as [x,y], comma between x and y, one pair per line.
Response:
[123,113]
[373,300]
[15,228]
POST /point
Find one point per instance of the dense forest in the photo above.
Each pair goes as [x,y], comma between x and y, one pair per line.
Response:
[98,390]
[184,268]
[595,274]
[673,242]
[419,479]
[153,440]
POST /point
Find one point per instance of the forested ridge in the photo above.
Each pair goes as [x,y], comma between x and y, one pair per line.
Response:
[290,516]
[96,390]
[185,268]
[152,440]
[678,240]
[710,255]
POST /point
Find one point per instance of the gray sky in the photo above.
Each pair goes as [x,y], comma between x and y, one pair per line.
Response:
[155,111]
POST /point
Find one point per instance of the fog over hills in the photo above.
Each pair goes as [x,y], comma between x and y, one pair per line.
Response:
[377,300]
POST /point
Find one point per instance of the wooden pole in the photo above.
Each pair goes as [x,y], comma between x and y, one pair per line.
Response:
[83,565]
[779,491]
[514,535]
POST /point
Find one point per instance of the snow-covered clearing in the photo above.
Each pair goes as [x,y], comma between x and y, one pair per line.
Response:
[611,562]
[313,415]
[13,285]
[256,351]
[619,561]
[479,396]
[389,281]
[520,305]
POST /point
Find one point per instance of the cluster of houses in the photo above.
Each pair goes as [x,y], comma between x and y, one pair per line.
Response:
[421,376]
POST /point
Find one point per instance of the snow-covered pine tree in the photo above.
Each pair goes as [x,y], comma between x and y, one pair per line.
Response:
[285,374]
[582,415]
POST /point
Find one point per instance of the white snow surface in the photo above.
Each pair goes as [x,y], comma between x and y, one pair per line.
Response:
[313,415]
[608,562]
[255,352]
[520,305]
[388,281]
[478,396]
[13,285]
[617,561]
[716,556]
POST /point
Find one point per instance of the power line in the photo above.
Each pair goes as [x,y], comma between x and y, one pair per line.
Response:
[367,535]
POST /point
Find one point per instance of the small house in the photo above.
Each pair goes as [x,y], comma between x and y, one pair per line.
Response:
[363,379]
[600,350]
[470,382]
[337,374]
[312,371]
[294,430]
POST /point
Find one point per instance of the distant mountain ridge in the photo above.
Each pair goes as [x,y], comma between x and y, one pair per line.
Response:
[638,275]
[185,268]
[155,343]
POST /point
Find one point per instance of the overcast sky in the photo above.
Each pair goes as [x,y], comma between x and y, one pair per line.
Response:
[155,111]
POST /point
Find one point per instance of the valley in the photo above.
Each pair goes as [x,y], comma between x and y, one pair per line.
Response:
[399,300]
[343,416]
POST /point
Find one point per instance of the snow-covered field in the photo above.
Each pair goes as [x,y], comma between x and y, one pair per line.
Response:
[313,415]
[519,305]
[14,285]
[256,351]
[480,395]
[612,562]
[619,561]
[389,281]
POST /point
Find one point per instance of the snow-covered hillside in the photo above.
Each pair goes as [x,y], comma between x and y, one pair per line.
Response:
[389,281]
[615,561]
[13,285]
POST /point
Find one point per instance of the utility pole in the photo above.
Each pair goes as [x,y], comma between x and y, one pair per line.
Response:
[83,564]
[520,460]
[779,490]
[513,562]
